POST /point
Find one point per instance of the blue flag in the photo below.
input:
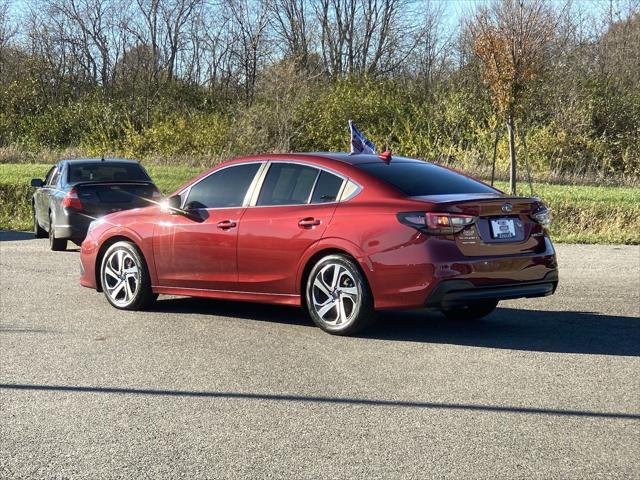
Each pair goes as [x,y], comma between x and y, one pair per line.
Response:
[359,143]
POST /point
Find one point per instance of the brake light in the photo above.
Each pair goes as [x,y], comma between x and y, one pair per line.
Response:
[72,201]
[437,223]
[542,216]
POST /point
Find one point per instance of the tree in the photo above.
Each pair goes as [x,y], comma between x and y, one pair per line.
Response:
[512,39]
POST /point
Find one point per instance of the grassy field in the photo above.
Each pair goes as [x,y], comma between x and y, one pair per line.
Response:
[581,214]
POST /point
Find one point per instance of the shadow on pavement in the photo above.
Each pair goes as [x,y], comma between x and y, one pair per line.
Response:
[12,236]
[508,328]
[321,399]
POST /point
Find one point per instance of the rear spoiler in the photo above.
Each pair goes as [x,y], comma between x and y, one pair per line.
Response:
[114,182]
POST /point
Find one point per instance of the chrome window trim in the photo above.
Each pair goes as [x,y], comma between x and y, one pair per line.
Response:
[256,185]
[187,190]
[320,168]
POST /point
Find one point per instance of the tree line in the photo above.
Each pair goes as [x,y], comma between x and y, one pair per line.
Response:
[206,79]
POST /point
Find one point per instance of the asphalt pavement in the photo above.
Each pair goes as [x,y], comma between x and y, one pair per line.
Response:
[542,388]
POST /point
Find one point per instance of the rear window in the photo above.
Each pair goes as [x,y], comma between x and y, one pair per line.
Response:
[107,172]
[417,179]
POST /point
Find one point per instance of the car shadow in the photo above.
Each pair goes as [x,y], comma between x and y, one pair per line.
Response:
[13,236]
[506,328]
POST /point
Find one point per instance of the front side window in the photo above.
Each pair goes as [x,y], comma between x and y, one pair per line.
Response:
[224,188]
[50,173]
[55,177]
[287,184]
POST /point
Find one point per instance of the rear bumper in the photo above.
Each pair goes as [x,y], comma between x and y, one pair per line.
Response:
[435,274]
[453,293]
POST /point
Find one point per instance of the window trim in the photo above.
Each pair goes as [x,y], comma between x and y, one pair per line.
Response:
[253,192]
[320,168]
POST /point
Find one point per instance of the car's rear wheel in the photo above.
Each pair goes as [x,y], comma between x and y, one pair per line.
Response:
[338,297]
[56,244]
[472,311]
[38,231]
[125,277]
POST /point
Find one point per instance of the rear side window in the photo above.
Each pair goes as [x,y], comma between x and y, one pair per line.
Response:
[327,188]
[106,172]
[417,179]
[224,188]
[287,184]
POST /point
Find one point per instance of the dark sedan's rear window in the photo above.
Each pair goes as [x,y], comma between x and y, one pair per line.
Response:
[106,172]
[417,179]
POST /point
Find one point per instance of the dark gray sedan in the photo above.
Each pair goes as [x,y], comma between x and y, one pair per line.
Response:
[76,192]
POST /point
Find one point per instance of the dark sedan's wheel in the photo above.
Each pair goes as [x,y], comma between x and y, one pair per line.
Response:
[473,311]
[56,244]
[38,231]
[338,297]
[125,277]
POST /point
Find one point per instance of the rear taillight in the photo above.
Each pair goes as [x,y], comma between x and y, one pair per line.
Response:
[72,201]
[436,223]
[542,215]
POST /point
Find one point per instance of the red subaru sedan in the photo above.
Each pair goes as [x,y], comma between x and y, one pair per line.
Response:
[341,235]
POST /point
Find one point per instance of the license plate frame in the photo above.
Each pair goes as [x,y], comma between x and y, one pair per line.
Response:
[503,228]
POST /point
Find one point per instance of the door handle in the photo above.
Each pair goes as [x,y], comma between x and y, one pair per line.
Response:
[226,224]
[309,222]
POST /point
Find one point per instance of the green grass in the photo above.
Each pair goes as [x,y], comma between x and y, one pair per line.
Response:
[581,214]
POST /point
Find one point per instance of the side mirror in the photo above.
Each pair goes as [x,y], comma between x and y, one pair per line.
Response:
[36,182]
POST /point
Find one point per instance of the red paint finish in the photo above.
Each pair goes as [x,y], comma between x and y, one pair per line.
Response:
[260,253]
[271,242]
[198,252]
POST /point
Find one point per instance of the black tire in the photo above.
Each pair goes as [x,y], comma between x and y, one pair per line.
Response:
[139,284]
[38,231]
[56,244]
[349,294]
[473,311]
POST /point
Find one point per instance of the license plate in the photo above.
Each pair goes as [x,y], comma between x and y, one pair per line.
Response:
[503,228]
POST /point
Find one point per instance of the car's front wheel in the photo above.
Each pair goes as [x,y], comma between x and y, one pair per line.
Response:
[472,311]
[338,297]
[125,277]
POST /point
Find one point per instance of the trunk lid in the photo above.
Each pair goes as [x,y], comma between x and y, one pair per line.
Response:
[99,198]
[503,227]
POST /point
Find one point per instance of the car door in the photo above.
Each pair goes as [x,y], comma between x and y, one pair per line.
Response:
[198,250]
[292,210]
[46,193]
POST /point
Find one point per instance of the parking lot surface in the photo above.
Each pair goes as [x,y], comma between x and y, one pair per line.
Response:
[542,388]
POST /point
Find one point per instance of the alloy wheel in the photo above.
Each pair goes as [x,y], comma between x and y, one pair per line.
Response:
[121,277]
[335,295]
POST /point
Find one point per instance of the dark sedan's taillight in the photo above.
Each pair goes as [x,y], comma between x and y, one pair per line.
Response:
[542,215]
[436,223]
[71,200]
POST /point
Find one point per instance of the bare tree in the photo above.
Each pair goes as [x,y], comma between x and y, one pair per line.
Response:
[249,30]
[291,25]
